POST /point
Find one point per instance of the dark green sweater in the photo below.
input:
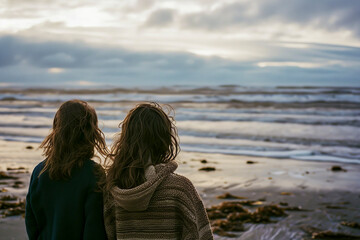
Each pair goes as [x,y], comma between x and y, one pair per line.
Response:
[65,209]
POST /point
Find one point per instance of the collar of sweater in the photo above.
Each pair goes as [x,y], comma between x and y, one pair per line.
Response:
[138,198]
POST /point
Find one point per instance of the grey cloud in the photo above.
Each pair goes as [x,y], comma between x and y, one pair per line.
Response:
[8,48]
[26,62]
[79,55]
[161,17]
[141,5]
[58,60]
[130,7]
[327,14]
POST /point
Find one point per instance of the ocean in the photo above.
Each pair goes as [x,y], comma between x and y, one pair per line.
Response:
[302,123]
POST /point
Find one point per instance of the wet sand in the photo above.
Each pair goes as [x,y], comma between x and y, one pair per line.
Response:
[325,197]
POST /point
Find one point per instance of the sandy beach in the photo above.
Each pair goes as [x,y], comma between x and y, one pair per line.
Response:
[320,199]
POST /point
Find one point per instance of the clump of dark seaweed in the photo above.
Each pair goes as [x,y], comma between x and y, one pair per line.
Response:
[229,196]
[230,216]
[12,208]
[351,224]
[327,234]
[4,175]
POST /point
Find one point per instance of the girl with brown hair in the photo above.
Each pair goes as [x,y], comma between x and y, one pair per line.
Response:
[64,200]
[144,198]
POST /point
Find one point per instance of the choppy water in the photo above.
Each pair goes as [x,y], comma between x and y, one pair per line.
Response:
[321,124]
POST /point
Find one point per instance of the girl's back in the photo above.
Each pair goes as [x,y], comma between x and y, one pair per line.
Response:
[65,209]
[64,199]
[144,198]
[166,206]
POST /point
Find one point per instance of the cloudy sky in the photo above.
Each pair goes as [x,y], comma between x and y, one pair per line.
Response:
[187,42]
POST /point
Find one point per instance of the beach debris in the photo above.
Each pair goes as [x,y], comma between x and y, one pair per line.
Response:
[14,169]
[259,218]
[270,178]
[286,193]
[251,203]
[207,169]
[4,175]
[204,161]
[12,208]
[242,216]
[3,190]
[283,203]
[14,212]
[29,147]
[234,211]
[251,162]
[321,234]
[337,168]
[334,207]
[10,204]
[332,235]
[271,211]
[18,184]
[230,216]
[229,207]
[227,225]
[351,224]
[8,198]
[219,231]
[229,196]
[216,214]
[18,172]
[295,208]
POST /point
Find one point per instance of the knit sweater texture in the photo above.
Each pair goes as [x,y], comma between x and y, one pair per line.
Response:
[65,209]
[166,206]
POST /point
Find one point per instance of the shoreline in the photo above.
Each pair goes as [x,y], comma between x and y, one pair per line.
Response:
[325,198]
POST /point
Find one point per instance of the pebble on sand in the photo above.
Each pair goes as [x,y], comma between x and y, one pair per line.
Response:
[286,193]
[337,168]
[251,162]
[207,169]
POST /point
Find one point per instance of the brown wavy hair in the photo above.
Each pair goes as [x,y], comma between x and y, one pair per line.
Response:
[147,133]
[73,139]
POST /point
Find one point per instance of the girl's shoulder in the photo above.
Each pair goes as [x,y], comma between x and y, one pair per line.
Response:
[38,168]
[180,181]
[92,166]
[95,170]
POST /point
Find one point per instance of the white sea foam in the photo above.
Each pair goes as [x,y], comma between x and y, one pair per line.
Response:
[286,130]
[239,116]
[23,120]
[291,154]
